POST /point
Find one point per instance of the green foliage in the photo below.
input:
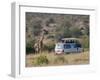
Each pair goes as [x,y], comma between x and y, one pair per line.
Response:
[87,31]
[67,32]
[37,27]
[85,41]
[51,20]
[60,59]
[29,50]
[50,37]
[71,32]
[29,47]
[76,32]
[42,59]
[56,27]
[49,46]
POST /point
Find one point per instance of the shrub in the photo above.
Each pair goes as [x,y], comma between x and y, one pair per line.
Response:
[49,46]
[41,60]
[29,47]
[29,50]
[60,59]
[50,37]
[76,32]
[85,41]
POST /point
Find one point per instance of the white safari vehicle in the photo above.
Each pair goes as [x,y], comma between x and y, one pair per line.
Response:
[68,45]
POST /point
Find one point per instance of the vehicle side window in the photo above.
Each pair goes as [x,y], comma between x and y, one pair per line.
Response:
[77,46]
[67,46]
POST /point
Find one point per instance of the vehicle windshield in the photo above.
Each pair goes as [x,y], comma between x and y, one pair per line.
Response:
[59,46]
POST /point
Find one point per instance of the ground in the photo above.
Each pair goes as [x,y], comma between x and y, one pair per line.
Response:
[50,59]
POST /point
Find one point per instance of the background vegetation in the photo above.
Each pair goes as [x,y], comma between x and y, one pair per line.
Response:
[58,26]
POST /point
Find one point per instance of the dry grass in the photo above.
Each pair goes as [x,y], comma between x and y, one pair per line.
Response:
[64,59]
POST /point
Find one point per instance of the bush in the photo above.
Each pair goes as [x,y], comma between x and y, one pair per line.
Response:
[50,37]
[29,50]
[60,59]
[49,47]
[29,47]
[85,42]
[76,32]
[40,60]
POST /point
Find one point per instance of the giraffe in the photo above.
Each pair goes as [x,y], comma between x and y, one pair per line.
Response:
[41,42]
[38,46]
